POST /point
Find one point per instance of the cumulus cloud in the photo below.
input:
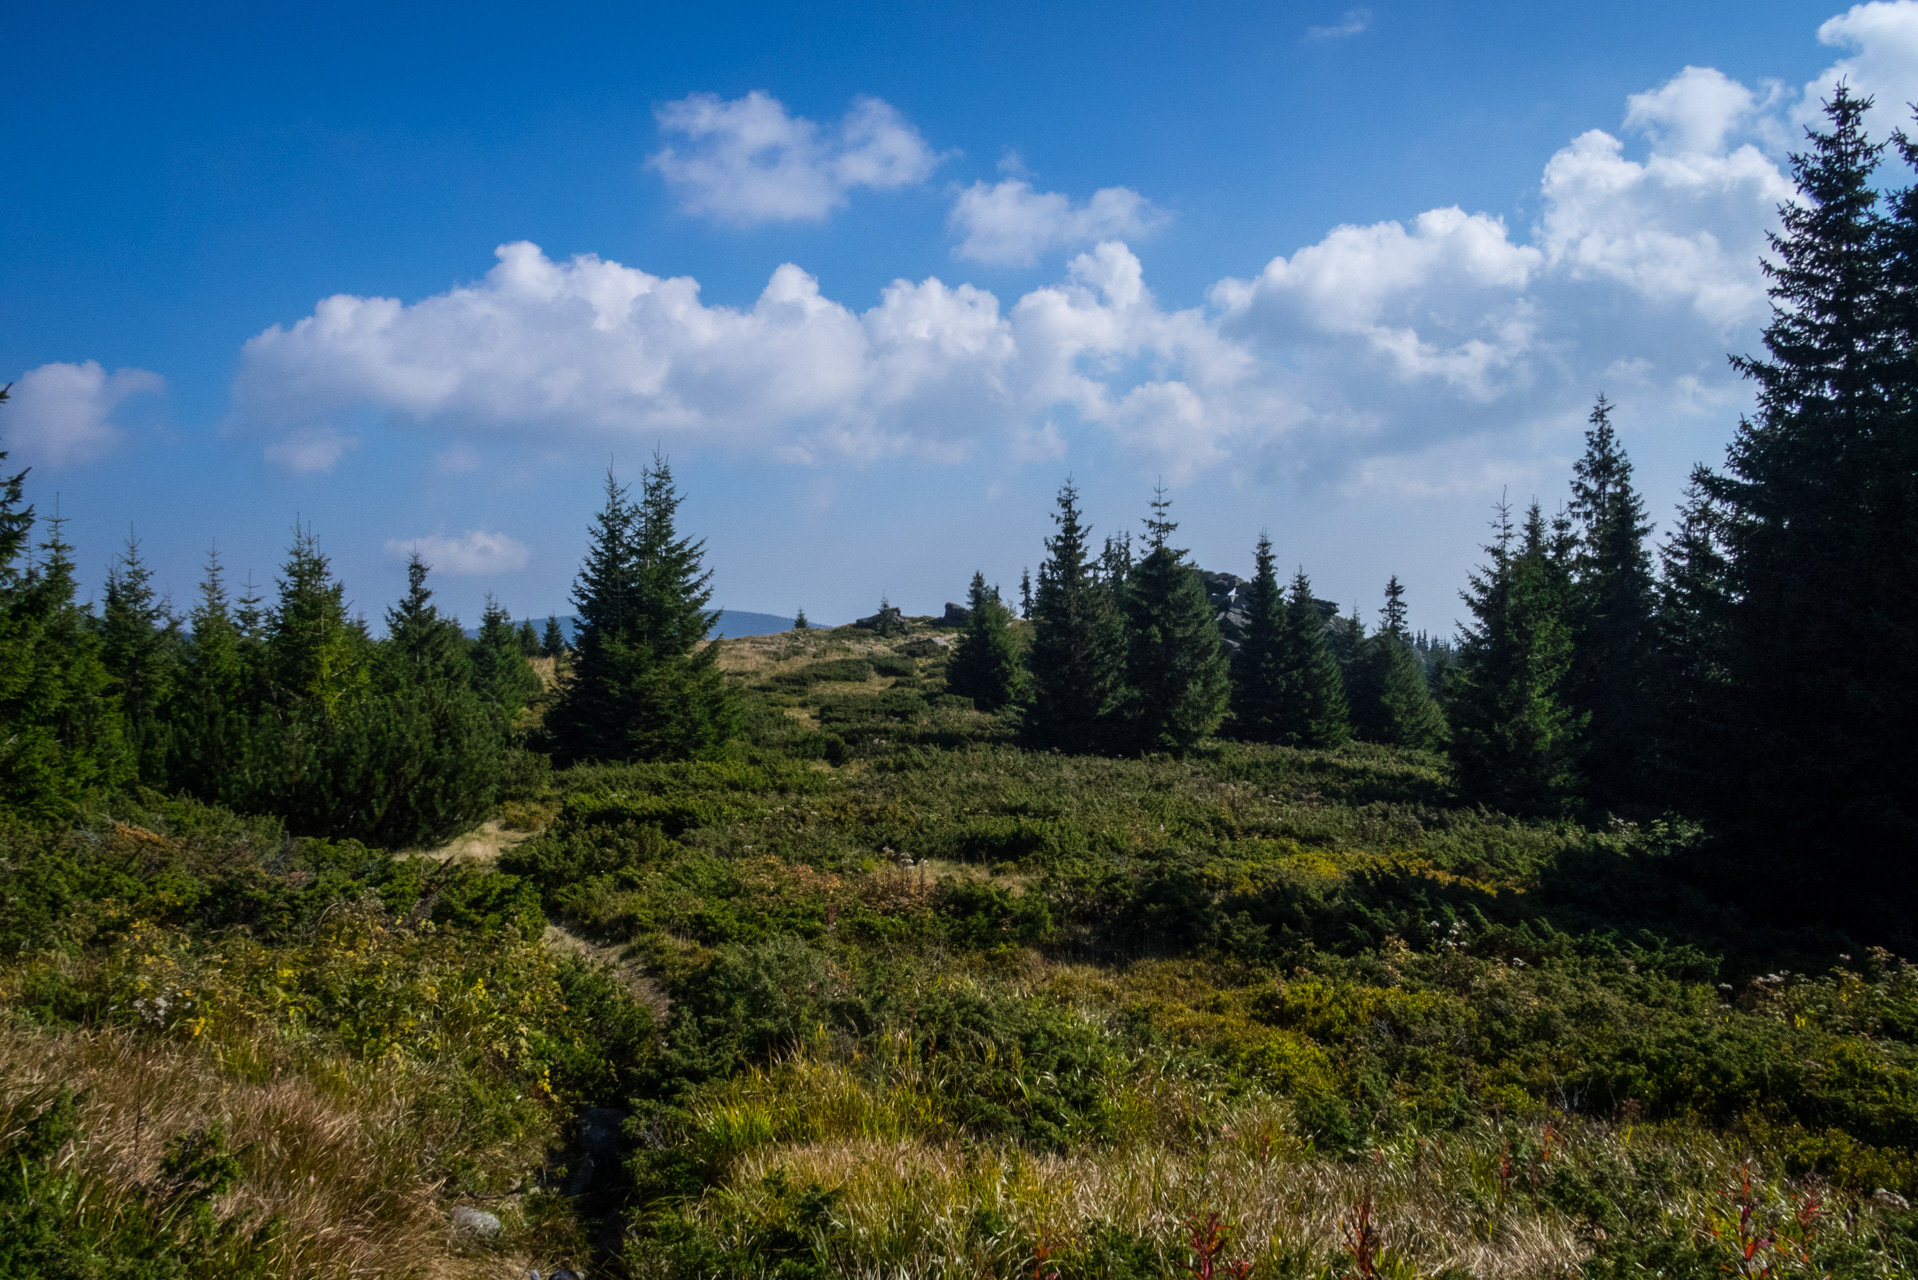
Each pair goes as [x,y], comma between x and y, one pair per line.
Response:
[1695,111]
[1353,23]
[1684,227]
[311,450]
[471,553]
[1397,354]
[750,161]
[61,415]
[1883,64]
[1010,224]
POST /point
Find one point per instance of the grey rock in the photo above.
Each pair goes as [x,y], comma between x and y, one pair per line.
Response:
[1890,1199]
[890,613]
[955,616]
[475,1222]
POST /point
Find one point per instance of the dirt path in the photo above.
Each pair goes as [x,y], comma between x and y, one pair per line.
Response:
[483,844]
[625,970]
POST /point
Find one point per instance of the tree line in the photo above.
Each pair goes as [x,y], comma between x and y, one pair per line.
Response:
[1753,668]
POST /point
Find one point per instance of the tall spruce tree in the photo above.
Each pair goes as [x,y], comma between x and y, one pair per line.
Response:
[432,742]
[501,673]
[208,716]
[1614,636]
[1258,666]
[310,757]
[62,731]
[1312,707]
[1392,702]
[1688,678]
[140,642]
[689,708]
[986,664]
[1514,738]
[644,684]
[1077,659]
[589,720]
[1818,521]
[317,653]
[423,646]
[1176,679]
[552,641]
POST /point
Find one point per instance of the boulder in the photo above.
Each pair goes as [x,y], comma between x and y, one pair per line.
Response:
[893,620]
[955,616]
[475,1222]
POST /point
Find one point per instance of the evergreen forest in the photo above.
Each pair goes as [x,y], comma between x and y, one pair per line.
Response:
[1155,923]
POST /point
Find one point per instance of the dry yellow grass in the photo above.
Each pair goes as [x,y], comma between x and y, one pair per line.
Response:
[912,1205]
[331,1148]
[757,657]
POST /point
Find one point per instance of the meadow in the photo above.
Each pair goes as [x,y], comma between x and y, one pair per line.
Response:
[876,990]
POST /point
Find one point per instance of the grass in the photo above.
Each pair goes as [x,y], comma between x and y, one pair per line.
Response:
[876,991]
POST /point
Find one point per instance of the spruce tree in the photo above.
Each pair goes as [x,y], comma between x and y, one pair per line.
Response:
[1258,669]
[1392,701]
[1025,594]
[1818,522]
[529,645]
[1688,678]
[424,647]
[1176,678]
[60,728]
[985,664]
[1514,738]
[310,757]
[1312,710]
[317,653]
[800,623]
[208,716]
[552,642]
[1077,659]
[431,742]
[1613,629]
[589,720]
[688,708]
[140,642]
[501,673]
[644,684]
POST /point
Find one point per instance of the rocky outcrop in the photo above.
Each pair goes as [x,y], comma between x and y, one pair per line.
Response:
[1226,592]
[888,619]
[955,616]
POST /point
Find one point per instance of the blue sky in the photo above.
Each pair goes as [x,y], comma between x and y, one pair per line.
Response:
[878,278]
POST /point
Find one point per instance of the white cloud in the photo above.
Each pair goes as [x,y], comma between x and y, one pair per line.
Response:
[1693,112]
[1883,39]
[749,161]
[1686,227]
[311,450]
[60,415]
[1354,22]
[1403,354]
[1009,224]
[474,552]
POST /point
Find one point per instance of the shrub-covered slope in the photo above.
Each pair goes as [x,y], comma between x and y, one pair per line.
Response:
[886,993]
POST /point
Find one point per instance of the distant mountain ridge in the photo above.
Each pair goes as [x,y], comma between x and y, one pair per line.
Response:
[733,623]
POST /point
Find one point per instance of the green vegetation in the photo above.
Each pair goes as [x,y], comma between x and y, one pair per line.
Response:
[1075,949]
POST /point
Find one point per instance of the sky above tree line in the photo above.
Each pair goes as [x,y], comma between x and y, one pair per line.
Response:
[877,279]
